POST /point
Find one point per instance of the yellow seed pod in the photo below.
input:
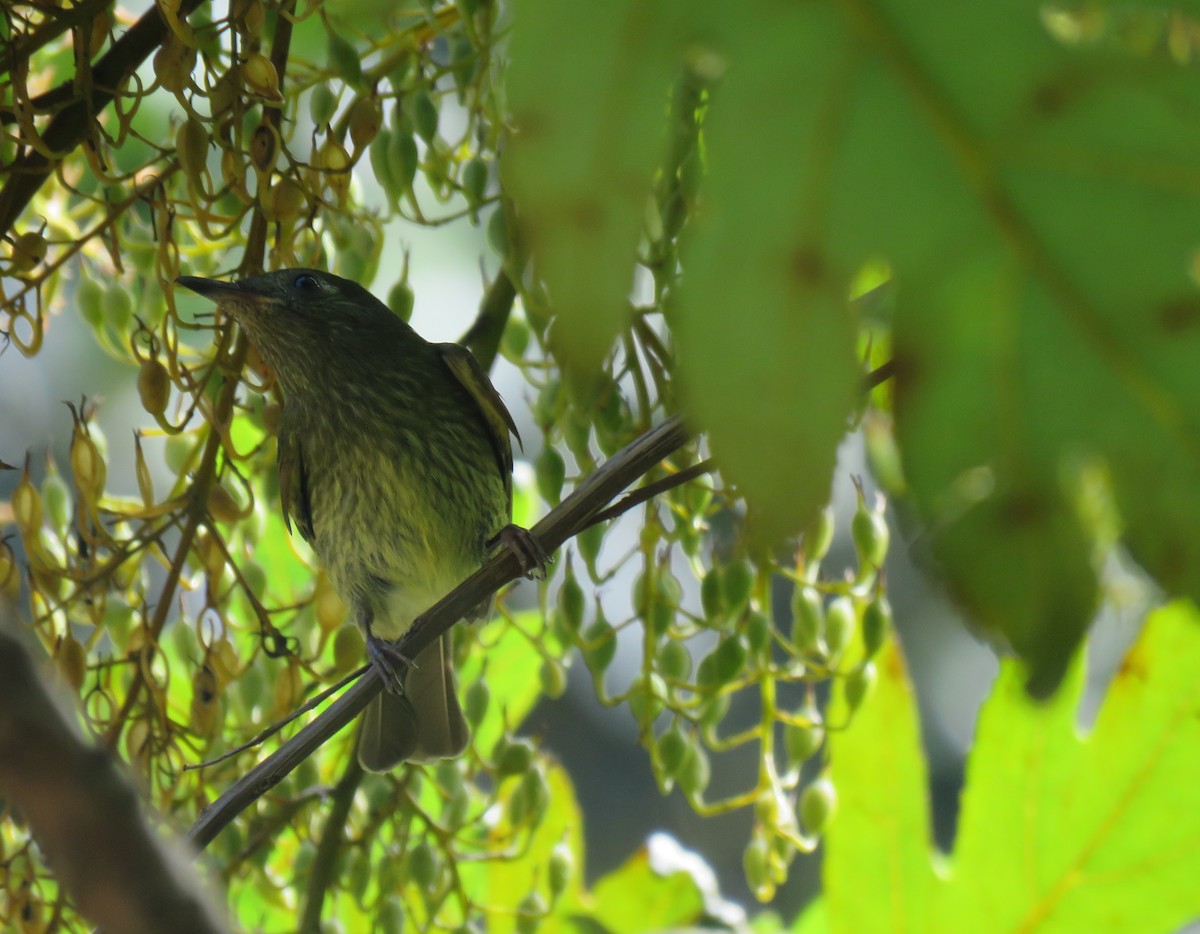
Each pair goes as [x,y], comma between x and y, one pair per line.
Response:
[223,93]
[285,201]
[71,659]
[334,161]
[87,464]
[223,660]
[205,701]
[264,147]
[287,690]
[27,506]
[28,250]
[260,76]
[348,649]
[249,15]
[10,576]
[101,24]
[191,145]
[137,744]
[221,504]
[154,386]
[330,610]
[365,118]
[173,64]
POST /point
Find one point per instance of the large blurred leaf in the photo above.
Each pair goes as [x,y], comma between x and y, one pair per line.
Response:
[1057,831]
[587,86]
[1037,202]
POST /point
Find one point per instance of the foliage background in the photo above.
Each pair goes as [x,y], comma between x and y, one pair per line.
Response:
[739,211]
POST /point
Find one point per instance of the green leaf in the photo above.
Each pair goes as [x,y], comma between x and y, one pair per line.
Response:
[766,343]
[1058,831]
[636,898]
[587,88]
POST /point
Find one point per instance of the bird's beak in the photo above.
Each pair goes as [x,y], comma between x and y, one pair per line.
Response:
[213,289]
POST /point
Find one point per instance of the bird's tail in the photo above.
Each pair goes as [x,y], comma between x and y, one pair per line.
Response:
[423,723]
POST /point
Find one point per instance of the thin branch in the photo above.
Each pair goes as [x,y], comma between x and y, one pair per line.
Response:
[881,374]
[320,874]
[651,490]
[566,519]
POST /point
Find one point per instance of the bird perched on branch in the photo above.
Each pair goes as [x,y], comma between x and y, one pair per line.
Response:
[395,464]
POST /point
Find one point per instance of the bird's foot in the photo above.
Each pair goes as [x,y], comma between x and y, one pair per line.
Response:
[389,661]
[527,549]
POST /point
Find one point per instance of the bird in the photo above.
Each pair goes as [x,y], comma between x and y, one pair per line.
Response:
[395,465]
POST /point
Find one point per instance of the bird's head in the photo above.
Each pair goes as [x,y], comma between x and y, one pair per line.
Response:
[301,319]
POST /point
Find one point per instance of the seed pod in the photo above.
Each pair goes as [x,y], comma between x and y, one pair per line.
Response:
[87,464]
[819,535]
[348,648]
[757,867]
[285,201]
[118,307]
[260,76]
[345,60]
[801,742]
[249,15]
[550,471]
[222,94]
[694,773]
[154,386]
[334,162]
[364,121]
[221,504]
[559,869]
[264,147]
[173,64]
[287,689]
[401,300]
[600,645]
[840,623]
[330,610]
[71,659]
[28,250]
[89,296]
[671,749]
[10,576]
[475,708]
[818,802]
[674,660]
[808,618]
[101,24]
[322,104]
[858,685]
[876,624]
[205,701]
[191,146]
[530,913]
[56,498]
[513,757]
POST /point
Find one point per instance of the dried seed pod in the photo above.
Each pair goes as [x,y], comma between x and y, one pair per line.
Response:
[71,659]
[191,146]
[205,701]
[365,118]
[221,504]
[173,64]
[285,201]
[333,160]
[264,147]
[87,464]
[260,76]
[154,386]
[27,506]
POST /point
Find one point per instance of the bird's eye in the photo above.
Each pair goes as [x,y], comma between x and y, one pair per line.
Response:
[306,283]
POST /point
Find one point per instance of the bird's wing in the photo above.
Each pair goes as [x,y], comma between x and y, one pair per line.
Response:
[466,370]
[293,485]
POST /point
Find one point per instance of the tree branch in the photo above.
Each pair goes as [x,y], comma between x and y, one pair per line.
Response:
[483,336]
[320,876]
[563,521]
[85,815]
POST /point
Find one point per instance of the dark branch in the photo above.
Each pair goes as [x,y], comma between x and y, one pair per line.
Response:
[85,815]
[321,873]
[566,519]
[483,337]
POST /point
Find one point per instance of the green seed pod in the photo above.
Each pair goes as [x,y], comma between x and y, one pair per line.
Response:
[423,866]
[674,660]
[758,633]
[118,307]
[424,112]
[349,648]
[497,232]
[737,581]
[404,159]
[381,164]
[344,60]
[694,773]
[712,597]
[154,386]
[757,866]
[475,181]
[858,685]
[559,869]
[550,470]
[671,750]
[840,623]
[869,530]
[808,618]
[571,601]
[89,296]
[819,535]
[600,646]
[56,500]
[801,742]
[876,624]
[553,679]
[818,802]
[530,913]
[390,916]
[476,705]
[322,104]
[513,757]
[363,121]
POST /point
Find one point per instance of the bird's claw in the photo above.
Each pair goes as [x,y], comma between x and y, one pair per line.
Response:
[388,661]
[526,548]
